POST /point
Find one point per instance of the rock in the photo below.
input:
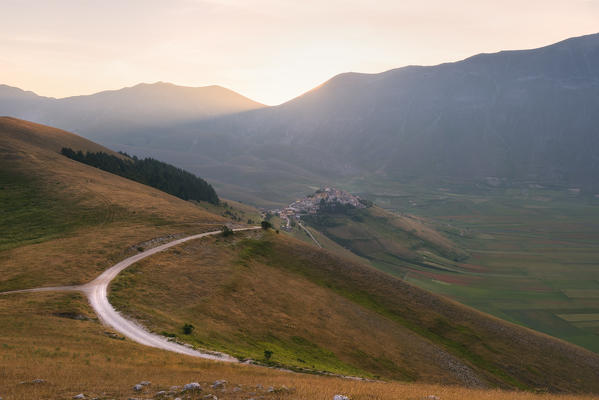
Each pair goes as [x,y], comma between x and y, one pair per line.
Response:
[145,383]
[138,387]
[340,397]
[270,389]
[219,384]
[211,397]
[79,396]
[192,386]
[33,382]
[432,397]
[235,390]
[161,393]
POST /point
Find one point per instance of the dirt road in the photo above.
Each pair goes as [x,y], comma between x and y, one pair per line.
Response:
[97,294]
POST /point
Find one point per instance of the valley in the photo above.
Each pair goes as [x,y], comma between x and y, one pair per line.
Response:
[242,304]
[533,254]
[526,255]
[420,233]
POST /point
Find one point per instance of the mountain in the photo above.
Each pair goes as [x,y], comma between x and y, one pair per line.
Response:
[516,116]
[125,109]
[513,116]
[519,115]
[64,222]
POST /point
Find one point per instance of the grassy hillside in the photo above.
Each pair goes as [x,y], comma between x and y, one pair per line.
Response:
[80,356]
[65,222]
[393,243]
[249,294]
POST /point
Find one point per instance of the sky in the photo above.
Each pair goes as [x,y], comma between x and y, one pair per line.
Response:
[268,50]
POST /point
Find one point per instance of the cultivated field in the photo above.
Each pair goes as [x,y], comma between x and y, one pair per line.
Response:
[534,252]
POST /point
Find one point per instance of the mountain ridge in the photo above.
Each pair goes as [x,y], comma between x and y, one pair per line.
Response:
[122,110]
[523,116]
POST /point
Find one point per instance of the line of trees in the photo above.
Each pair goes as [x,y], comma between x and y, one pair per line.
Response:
[151,172]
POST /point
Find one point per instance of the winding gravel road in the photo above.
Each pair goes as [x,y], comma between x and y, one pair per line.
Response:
[97,294]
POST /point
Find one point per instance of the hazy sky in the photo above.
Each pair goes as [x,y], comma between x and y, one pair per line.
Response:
[268,50]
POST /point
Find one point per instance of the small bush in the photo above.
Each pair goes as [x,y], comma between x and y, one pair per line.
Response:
[267,354]
[266,225]
[188,329]
[226,231]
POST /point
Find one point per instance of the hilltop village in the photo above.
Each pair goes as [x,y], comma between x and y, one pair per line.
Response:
[310,205]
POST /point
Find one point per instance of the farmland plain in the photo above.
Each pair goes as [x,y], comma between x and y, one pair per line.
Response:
[533,251]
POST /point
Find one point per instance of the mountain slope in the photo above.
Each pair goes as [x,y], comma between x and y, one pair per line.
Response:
[516,114]
[102,114]
[528,115]
[314,310]
[53,206]
[393,243]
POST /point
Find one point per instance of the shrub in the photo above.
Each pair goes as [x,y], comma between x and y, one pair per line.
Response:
[267,354]
[226,231]
[188,329]
[266,225]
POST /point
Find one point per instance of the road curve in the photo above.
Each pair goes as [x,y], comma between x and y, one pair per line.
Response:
[97,294]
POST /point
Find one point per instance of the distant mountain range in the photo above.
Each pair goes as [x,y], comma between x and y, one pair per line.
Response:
[137,107]
[520,116]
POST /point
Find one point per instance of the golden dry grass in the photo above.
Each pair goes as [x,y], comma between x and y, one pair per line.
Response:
[76,356]
[109,214]
[319,311]
[246,308]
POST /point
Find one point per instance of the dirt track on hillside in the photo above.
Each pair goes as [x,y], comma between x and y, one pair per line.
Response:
[97,295]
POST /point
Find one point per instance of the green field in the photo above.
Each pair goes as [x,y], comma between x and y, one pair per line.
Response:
[534,251]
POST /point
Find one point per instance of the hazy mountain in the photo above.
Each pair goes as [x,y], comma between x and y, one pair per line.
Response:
[519,115]
[528,115]
[118,111]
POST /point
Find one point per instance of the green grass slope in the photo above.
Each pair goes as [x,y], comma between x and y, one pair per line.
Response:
[62,221]
[317,311]
[393,243]
[533,250]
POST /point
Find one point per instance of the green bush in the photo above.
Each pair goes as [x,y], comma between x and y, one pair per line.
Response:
[188,329]
[266,225]
[267,354]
